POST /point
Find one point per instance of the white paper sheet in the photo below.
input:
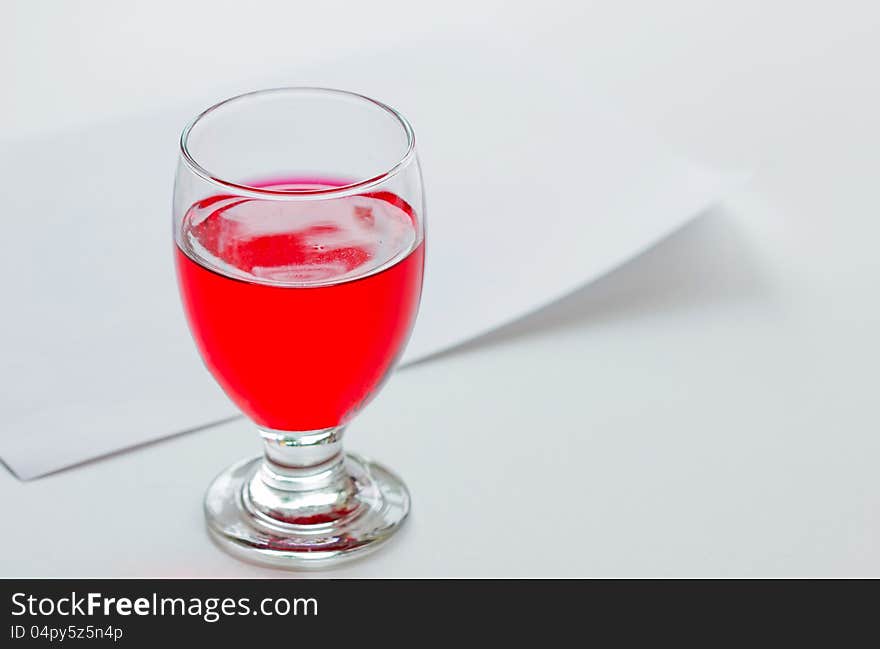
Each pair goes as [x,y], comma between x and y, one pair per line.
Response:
[533,190]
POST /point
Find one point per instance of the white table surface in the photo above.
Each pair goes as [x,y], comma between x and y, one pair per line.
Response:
[708,410]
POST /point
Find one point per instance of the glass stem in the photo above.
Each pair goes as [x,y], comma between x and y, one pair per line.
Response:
[302,479]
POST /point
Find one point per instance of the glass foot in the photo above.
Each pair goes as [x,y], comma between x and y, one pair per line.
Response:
[314,521]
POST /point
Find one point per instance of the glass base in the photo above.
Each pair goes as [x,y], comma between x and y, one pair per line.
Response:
[376,503]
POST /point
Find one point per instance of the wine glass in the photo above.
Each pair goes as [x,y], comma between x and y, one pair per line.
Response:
[299,230]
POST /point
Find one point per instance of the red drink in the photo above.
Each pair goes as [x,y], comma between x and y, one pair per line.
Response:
[300,308]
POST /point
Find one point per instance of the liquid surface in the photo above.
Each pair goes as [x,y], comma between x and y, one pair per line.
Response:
[295,243]
[299,309]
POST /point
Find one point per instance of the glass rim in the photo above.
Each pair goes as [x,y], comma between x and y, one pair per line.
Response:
[349,189]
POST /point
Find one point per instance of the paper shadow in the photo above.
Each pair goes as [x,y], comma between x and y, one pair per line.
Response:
[708,261]
[121,451]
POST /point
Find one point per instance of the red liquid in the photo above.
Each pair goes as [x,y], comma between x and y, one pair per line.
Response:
[299,309]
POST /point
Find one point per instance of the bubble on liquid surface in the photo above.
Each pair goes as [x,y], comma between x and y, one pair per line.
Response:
[298,243]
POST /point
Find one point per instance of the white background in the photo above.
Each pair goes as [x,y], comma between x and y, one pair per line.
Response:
[709,410]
